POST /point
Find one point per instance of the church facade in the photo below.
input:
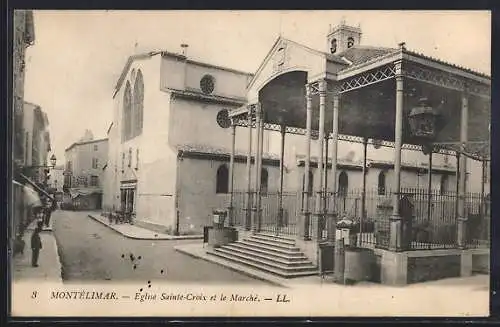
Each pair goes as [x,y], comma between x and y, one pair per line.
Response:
[170,139]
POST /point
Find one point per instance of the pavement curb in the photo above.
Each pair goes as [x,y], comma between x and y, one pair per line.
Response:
[169,238]
[59,264]
[232,267]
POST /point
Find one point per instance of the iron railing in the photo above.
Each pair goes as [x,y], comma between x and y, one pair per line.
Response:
[429,221]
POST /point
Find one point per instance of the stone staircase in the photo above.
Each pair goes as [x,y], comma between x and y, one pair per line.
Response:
[273,254]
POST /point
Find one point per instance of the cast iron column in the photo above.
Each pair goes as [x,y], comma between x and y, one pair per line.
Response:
[325,182]
[231,173]
[363,193]
[395,219]
[429,188]
[256,167]
[457,182]
[483,181]
[321,136]
[335,140]
[307,163]
[259,169]
[248,213]
[462,215]
[280,199]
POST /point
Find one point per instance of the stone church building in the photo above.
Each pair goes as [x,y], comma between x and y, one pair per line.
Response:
[170,138]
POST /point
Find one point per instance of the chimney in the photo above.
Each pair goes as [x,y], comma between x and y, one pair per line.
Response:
[184,49]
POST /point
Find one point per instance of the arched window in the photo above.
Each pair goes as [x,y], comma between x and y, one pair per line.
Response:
[443,187]
[127,113]
[343,184]
[222,182]
[381,183]
[264,178]
[138,107]
[350,42]
[311,183]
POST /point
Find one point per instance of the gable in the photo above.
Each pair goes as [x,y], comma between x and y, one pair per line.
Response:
[286,56]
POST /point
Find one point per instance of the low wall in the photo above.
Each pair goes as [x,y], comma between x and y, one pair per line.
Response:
[402,268]
[481,262]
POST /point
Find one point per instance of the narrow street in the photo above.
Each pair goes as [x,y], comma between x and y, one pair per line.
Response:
[91,252]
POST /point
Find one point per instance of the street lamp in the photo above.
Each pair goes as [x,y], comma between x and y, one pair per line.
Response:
[53,160]
[424,123]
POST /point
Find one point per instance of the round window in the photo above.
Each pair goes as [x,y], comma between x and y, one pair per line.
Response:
[223,118]
[207,84]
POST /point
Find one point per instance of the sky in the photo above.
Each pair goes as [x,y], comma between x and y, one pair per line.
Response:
[78,55]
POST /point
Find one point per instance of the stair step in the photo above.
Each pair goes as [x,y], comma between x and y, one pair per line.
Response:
[272,258]
[278,272]
[270,238]
[273,244]
[270,263]
[285,238]
[271,248]
[293,256]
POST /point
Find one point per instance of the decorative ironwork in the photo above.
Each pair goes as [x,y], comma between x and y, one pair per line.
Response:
[314,86]
[479,89]
[476,150]
[434,77]
[342,137]
[368,78]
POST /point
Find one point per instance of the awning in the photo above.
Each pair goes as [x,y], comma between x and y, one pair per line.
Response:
[36,187]
[82,192]
[30,196]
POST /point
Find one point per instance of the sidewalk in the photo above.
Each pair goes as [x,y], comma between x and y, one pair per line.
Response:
[197,250]
[138,233]
[49,269]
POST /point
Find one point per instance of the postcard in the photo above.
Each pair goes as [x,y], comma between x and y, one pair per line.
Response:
[250,163]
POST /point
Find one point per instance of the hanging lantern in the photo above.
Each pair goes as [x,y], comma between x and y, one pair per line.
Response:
[423,121]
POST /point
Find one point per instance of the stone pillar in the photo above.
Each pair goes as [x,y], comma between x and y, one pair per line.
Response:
[231,174]
[256,167]
[248,213]
[321,169]
[462,214]
[280,199]
[335,141]
[307,164]
[395,219]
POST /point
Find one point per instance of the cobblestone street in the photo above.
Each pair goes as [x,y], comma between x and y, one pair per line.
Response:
[91,252]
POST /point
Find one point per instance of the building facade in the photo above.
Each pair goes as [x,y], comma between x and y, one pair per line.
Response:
[36,143]
[56,181]
[23,37]
[170,140]
[83,173]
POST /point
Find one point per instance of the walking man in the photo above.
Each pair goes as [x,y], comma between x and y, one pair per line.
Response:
[48,208]
[36,245]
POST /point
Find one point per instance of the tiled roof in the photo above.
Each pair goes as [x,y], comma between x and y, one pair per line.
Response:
[335,58]
[361,54]
[447,63]
[209,149]
[207,97]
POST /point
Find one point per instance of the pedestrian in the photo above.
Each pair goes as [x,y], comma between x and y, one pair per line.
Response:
[36,245]
[19,244]
[48,208]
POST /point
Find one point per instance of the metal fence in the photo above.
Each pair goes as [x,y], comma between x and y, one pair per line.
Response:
[429,221]
[271,221]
